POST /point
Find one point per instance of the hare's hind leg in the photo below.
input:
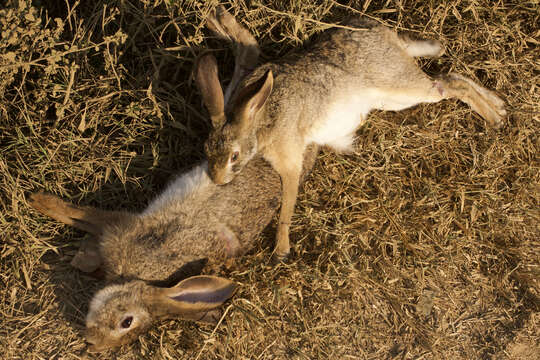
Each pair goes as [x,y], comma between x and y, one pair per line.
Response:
[422,89]
[480,99]
[85,218]
[247,51]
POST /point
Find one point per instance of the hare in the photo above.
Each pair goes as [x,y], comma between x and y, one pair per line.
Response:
[321,96]
[193,219]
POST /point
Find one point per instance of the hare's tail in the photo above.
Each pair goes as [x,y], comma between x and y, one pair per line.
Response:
[421,48]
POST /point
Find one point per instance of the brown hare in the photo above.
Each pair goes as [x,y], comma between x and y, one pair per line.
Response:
[321,96]
[193,219]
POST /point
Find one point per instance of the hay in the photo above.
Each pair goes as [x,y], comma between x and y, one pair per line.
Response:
[423,244]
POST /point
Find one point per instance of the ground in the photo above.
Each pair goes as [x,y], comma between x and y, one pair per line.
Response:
[422,244]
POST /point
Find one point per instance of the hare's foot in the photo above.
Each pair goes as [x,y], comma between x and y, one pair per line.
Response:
[287,161]
[275,260]
[86,218]
[219,20]
[88,258]
[480,99]
[426,90]
[50,205]
[65,212]
[282,249]
[224,25]
[247,52]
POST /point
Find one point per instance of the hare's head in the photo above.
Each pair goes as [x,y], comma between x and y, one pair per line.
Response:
[118,314]
[232,141]
[228,152]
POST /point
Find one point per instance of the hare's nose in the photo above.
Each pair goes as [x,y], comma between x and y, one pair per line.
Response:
[93,346]
[91,338]
[212,172]
[216,174]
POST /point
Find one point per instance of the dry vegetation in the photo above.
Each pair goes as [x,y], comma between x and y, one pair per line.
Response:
[423,244]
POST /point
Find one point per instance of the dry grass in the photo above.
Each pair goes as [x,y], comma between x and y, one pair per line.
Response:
[423,244]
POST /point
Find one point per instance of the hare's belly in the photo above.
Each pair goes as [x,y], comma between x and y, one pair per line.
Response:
[337,126]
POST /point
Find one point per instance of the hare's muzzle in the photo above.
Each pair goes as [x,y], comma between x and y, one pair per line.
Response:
[220,176]
[95,341]
[93,347]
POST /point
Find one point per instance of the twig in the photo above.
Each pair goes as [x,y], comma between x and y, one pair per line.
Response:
[327,25]
[214,331]
[67,52]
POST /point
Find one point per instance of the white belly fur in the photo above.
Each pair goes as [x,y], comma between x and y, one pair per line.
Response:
[340,122]
[345,116]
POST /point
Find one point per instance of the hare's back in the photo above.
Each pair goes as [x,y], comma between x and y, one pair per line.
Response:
[371,56]
[342,77]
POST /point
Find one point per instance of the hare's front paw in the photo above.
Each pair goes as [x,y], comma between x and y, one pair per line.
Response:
[282,251]
[280,259]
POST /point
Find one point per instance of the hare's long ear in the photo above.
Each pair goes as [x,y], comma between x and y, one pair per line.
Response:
[246,48]
[194,295]
[252,98]
[84,218]
[207,79]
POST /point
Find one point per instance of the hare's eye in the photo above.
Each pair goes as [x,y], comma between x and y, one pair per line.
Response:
[234,156]
[126,323]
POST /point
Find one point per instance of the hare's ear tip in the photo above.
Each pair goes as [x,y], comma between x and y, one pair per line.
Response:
[234,287]
[230,284]
[231,287]
[213,280]
[204,57]
[269,78]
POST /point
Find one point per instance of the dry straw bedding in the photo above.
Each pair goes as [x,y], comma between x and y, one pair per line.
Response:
[422,244]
